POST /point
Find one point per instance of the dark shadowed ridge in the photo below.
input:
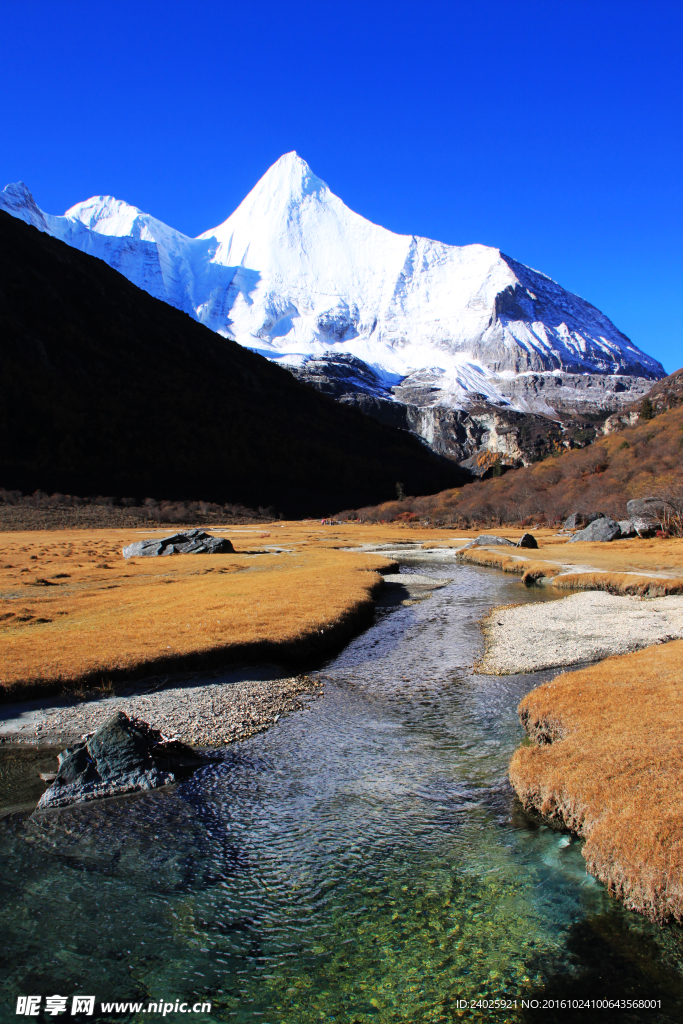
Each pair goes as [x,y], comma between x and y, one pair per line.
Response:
[104,389]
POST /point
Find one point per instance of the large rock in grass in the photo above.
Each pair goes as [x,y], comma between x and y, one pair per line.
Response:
[645,512]
[601,530]
[484,539]
[527,540]
[193,542]
[125,755]
[577,519]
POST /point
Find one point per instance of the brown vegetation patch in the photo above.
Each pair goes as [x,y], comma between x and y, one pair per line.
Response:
[607,763]
[104,618]
[96,623]
[641,460]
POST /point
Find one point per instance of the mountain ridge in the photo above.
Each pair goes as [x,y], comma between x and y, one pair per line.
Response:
[298,277]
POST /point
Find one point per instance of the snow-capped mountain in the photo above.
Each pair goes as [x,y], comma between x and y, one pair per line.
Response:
[297,276]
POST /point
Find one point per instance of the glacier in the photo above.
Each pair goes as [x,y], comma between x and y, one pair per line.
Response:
[297,276]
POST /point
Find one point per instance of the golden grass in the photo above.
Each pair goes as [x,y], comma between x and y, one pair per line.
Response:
[73,611]
[621,583]
[608,764]
[657,555]
[649,556]
[529,569]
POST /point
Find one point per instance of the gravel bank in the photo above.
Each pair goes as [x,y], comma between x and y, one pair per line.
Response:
[201,713]
[580,628]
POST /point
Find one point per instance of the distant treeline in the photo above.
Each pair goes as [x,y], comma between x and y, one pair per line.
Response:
[144,509]
[638,461]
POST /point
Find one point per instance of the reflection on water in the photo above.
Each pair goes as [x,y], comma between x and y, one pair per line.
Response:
[364,861]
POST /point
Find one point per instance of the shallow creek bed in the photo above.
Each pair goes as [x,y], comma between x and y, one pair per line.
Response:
[367,862]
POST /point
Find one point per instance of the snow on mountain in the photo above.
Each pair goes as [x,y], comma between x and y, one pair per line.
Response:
[294,274]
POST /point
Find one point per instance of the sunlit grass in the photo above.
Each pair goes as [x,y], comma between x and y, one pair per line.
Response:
[613,770]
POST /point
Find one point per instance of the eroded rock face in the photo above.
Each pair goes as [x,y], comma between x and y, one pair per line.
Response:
[600,530]
[125,755]
[193,542]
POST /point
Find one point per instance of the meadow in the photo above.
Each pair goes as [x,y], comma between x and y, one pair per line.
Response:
[75,613]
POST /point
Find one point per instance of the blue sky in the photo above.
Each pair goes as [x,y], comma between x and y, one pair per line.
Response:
[551,129]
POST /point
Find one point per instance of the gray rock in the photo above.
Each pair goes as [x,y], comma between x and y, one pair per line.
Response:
[483,539]
[125,755]
[193,542]
[527,541]
[573,521]
[647,511]
[601,529]
[627,528]
[577,519]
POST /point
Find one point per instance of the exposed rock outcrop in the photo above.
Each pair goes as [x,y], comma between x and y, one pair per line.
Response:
[665,394]
[523,419]
[193,542]
[125,755]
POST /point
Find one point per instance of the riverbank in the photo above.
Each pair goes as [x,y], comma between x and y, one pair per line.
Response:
[203,712]
[607,763]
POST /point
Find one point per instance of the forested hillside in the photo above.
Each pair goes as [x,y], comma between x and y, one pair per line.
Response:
[645,459]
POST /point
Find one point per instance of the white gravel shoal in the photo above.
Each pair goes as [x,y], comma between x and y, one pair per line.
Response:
[201,713]
[583,627]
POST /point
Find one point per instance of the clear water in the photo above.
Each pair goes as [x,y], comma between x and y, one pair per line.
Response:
[363,861]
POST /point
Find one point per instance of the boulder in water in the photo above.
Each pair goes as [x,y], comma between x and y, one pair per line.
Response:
[124,755]
[193,542]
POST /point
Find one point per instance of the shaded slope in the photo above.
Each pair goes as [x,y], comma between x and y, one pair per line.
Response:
[105,388]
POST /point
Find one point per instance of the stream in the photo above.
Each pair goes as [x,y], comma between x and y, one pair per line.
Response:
[364,860]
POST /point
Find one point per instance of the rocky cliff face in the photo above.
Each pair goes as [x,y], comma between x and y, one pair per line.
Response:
[665,394]
[558,411]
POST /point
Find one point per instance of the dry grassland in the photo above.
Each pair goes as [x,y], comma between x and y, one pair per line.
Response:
[626,584]
[74,612]
[608,764]
[627,562]
[658,555]
[529,569]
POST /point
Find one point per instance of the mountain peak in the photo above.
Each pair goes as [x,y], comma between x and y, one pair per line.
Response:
[294,274]
[286,185]
[16,198]
[19,190]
